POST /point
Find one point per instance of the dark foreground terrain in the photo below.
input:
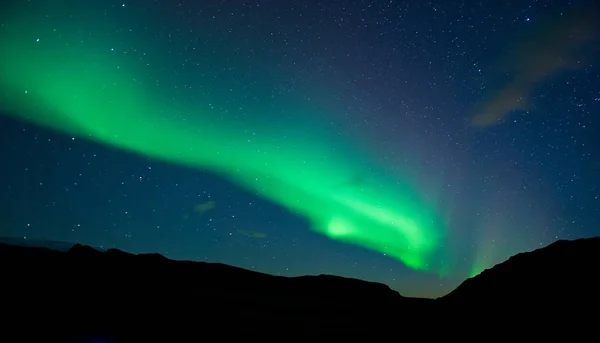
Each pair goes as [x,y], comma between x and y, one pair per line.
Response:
[85,295]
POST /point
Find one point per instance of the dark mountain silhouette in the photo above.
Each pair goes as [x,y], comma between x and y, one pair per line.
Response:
[90,296]
[530,279]
[549,291]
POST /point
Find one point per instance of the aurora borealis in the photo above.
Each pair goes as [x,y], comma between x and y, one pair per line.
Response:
[287,138]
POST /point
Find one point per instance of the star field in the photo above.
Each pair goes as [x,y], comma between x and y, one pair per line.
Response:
[410,143]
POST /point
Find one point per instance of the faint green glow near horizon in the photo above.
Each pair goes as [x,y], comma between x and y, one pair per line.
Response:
[476,270]
[89,93]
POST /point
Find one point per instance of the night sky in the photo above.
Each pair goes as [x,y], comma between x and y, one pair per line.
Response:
[412,143]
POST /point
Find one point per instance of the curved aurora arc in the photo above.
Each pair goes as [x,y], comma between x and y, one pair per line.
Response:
[79,91]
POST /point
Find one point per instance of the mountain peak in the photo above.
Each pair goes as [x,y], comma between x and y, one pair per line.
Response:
[80,249]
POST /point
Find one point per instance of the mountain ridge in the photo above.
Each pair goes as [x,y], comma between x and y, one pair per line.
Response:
[543,293]
[69,246]
[559,256]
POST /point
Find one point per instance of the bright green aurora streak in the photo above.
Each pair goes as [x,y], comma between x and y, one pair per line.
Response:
[86,92]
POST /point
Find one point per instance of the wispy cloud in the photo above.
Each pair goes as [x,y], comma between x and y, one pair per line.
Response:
[252,234]
[554,48]
[204,207]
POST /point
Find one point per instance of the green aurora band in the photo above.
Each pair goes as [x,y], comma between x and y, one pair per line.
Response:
[79,90]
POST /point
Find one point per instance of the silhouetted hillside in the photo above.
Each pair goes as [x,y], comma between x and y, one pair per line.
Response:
[114,292]
[551,290]
[86,293]
[564,271]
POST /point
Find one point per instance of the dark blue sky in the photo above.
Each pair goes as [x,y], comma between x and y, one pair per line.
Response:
[489,108]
